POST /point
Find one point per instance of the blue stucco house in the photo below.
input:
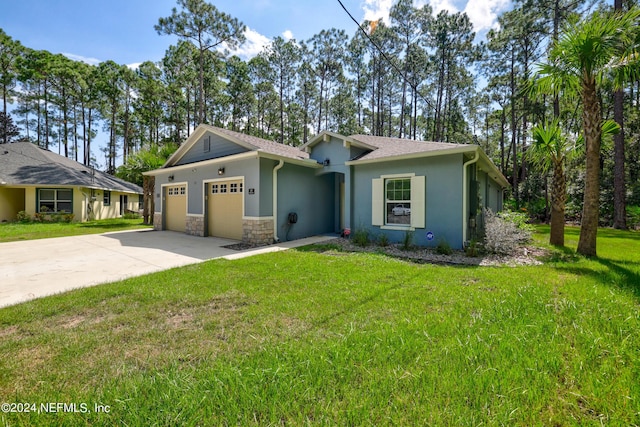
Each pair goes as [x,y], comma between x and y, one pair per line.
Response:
[227,184]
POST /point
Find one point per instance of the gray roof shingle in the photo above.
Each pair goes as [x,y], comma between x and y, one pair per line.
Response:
[394,147]
[265,145]
[24,163]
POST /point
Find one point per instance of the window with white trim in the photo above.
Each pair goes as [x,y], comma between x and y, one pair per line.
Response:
[223,188]
[214,188]
[398,201]
[106,198]
[55,200]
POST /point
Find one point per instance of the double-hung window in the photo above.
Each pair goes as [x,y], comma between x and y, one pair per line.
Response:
[398,201]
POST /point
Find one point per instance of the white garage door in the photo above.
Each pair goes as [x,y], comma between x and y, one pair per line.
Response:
[225,209]
[176,207]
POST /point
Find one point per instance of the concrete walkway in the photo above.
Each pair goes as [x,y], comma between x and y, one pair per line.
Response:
[35,268]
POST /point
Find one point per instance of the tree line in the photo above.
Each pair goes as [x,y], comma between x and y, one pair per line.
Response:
[421,76]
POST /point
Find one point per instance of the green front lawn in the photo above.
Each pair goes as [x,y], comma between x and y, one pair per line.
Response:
[14,231]
[332,338]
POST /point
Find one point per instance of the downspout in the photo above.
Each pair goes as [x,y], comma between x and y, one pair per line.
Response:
[275,200]
[465,195]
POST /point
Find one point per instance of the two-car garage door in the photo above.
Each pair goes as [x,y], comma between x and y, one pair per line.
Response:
[224,209]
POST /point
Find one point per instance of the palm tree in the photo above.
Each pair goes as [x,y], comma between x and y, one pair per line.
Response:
[551,149]
[601,47]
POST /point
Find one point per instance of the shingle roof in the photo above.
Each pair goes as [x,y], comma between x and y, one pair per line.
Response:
[265,145]
[24,163]
[394,147]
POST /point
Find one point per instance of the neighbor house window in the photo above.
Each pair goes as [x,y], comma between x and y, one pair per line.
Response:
[107,198]
[55,200]
[398,201]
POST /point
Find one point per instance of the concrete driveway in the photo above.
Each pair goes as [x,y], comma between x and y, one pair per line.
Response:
[35,268]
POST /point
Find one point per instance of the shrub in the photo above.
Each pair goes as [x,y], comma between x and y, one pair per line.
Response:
[503,235]
[23,217]
[633,217]
[68,217]
[444,248]
[131,215]
[407,240]
[383,240]
[361,237]
[472,249]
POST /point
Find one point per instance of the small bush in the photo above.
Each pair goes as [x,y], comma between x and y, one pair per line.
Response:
[407,240]
[23,217]
[444,248]
[68,217]
[502,235]
[361,237]
[633,217]
[131,215]
[383,240]
[473,249]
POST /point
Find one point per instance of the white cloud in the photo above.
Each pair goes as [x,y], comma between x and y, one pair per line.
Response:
[287,35]
[484,13]
[254,44]
[440,5]
[376,9]
[86,60]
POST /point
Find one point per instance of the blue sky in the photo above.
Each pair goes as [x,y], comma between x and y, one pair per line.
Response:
[122,30]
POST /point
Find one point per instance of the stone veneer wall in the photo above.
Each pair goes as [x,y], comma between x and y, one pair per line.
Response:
[157,221]
[257,231]
[195,226]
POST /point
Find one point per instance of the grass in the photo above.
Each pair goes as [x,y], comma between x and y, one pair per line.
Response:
[15,231]
[333,338]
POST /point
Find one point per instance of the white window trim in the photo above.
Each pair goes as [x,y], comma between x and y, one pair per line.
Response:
[418,202]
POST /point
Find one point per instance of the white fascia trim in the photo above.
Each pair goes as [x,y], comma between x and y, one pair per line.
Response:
[398,175]
[301,162]
[419,155]
[203,163]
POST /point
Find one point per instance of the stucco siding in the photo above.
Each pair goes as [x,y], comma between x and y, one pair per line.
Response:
[311,197]
[247,169]
[12,201]
[443,198]
[217,147]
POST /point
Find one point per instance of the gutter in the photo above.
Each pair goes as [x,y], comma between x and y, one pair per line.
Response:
[465,195]
[275,200]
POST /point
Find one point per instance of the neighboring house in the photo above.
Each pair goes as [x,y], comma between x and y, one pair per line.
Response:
[227,184]
[33,179]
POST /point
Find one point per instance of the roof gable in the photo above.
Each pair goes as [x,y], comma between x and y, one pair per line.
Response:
[224,142]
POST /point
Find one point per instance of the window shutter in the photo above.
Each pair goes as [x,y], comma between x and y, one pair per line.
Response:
[377,201]
[418,205]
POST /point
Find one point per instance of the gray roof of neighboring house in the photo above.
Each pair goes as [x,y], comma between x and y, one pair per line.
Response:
[393,147]
[24,163]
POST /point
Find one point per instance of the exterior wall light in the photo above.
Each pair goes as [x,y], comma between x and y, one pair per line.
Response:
[221,171]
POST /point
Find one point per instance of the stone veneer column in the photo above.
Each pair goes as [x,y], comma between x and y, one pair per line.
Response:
[195,225]
[257,231]
[157,221]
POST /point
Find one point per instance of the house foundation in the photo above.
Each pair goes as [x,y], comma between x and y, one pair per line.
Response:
[157,221]
[257,231]
[195,226]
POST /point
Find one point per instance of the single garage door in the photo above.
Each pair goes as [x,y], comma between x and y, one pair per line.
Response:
[225,209]
[176,207]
